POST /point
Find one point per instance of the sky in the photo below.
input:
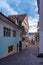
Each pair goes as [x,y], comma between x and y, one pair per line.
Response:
[29,7]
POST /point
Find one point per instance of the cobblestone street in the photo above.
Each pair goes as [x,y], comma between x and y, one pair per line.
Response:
[25,57]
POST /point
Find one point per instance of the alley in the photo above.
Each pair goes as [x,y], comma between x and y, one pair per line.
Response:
[25,57]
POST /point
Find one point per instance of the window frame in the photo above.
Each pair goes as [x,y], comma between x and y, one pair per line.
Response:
[6,32]
[14,33]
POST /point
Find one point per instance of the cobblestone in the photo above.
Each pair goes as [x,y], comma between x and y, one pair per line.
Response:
[25,57]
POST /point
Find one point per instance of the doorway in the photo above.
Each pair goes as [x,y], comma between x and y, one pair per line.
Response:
[10,48]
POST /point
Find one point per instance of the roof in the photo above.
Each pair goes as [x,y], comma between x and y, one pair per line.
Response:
[20,17]
[10,20]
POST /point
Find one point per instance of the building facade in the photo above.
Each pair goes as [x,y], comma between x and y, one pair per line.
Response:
[21,20]
[40,9]
[10,36]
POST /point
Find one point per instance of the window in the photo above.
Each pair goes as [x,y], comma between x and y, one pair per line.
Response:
[6,32]
[19,22]
[21,34]
[23,38]
[14,33]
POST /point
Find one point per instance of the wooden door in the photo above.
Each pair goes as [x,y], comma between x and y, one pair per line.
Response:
[10,48]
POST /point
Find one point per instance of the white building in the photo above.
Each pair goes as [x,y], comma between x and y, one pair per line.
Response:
[40,10]
[10,35]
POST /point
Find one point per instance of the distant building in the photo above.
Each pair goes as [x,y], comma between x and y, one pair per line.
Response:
[10,35]
[31,36]
[37,37]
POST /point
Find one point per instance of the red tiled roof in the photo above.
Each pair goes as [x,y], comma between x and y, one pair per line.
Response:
[20,17]
[10,20]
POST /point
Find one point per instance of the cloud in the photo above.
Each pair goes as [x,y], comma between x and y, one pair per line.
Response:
[12,7]
[33,22]
[15,2]
[33,30]
[6,8]
[20,7]
[25,6]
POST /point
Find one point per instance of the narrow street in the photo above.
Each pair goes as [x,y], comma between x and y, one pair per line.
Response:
[25,57]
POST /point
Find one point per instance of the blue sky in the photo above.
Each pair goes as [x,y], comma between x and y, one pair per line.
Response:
[29,7]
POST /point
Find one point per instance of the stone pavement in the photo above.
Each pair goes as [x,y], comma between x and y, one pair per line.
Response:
[25,57]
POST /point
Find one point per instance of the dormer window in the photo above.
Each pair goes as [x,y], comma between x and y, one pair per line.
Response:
[15,20]
[19,22]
